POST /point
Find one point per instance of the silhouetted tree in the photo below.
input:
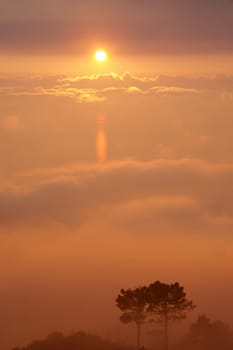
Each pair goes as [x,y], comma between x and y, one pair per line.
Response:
[167,302]
[164,302]
[133,303]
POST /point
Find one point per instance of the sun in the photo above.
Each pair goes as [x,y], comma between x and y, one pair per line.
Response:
[100,56]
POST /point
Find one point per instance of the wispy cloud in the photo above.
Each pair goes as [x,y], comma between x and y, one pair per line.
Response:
[98,88]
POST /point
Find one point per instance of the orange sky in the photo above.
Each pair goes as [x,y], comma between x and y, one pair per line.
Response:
[114,174]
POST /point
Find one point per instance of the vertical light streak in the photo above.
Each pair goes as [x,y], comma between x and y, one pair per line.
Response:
[101,139]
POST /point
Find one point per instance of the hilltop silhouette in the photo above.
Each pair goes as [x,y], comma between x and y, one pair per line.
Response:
[77,341]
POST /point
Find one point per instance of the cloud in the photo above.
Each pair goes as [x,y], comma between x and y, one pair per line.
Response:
[173,90]
[151,27]
[100,87]
[183,193]
[161,214]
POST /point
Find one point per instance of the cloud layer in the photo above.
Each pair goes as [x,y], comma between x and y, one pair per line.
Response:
[163,122]
[99,87]
[156,196]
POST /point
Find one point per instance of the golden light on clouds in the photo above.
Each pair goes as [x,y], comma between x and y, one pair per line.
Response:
[100,56]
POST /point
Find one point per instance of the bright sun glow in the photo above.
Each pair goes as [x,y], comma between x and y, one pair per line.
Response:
[100,56]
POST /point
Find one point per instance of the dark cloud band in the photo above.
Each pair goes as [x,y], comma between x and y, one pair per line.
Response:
[148,27]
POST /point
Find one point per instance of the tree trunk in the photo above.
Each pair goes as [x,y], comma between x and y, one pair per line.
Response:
[165,327]
[138,335]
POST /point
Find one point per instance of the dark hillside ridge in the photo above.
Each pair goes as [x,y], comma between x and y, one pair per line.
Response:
[76,341]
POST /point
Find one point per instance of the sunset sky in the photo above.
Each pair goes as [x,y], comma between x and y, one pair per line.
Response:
[116,173]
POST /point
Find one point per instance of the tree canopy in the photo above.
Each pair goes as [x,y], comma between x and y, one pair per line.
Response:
[168,299]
